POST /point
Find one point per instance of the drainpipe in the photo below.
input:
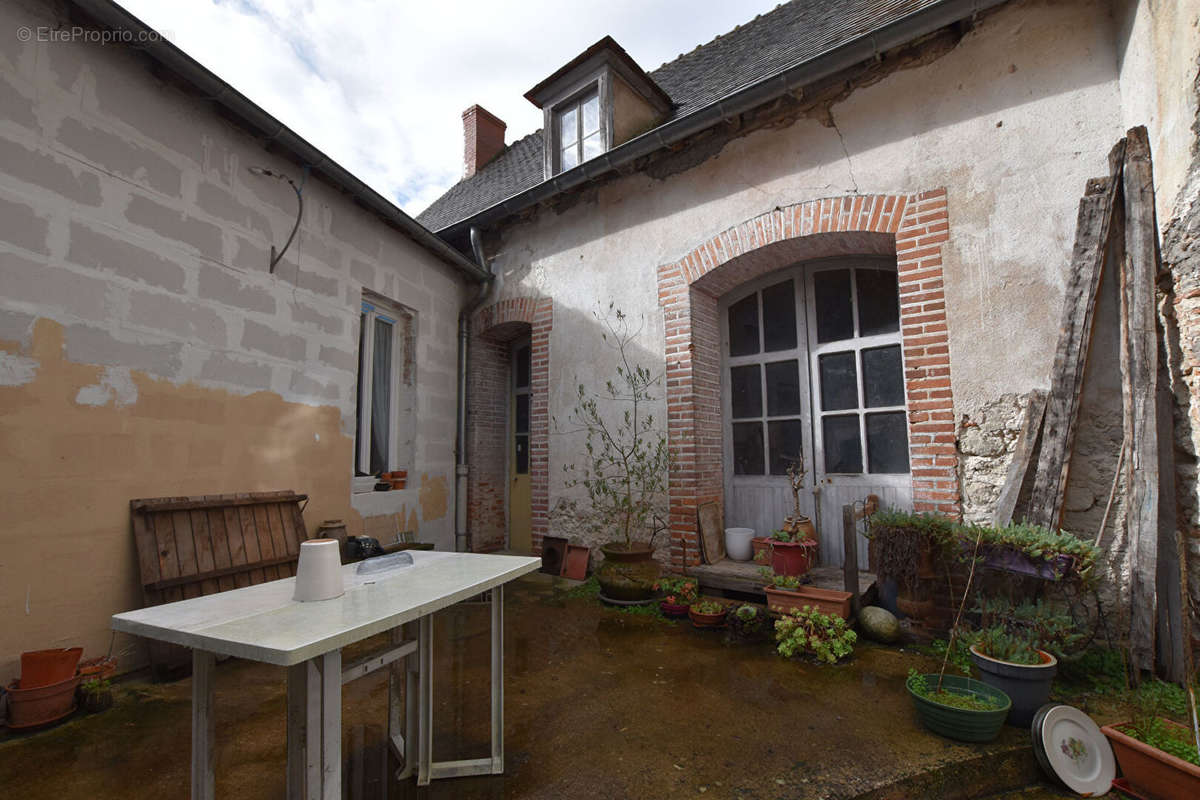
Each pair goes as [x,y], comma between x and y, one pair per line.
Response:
[461,467]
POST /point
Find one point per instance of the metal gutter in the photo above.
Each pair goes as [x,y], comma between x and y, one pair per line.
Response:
[902,31]
[272,131]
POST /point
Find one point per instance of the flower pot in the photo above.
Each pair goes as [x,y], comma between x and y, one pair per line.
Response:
[627,575]
[676,610]
[827,601]
[1009,560]
[28,708]
[738,543]
[99,668]
[963,724]
[1027,685]
[48,667]
[97,701]
[1151,771]
[761,545]
[700,620]
[793,558]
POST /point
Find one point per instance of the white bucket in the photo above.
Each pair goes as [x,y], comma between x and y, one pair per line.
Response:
[319,573]
[737,543]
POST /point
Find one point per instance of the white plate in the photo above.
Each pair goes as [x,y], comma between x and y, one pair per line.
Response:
[1077,751]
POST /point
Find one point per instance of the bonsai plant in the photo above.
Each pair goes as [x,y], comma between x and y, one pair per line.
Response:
[1016,651]
[707,614]
[625,471]
[679,592]
[957,707]
[794,546]
[806,631]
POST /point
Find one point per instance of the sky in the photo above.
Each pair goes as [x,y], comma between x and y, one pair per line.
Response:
[380,87]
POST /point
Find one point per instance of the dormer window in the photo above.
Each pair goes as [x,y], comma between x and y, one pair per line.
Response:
[596,102]
[580,136]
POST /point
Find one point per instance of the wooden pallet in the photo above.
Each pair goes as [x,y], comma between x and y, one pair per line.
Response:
[193,546]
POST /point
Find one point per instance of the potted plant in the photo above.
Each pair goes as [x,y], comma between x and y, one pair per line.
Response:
[1157,756]
[1039,552]
[1014,651]
[794,545]
[679,592]
[789,592]
[707,614]
[749,622]
[905,546]
[625,472]
[806,631]
[957,707]
[96,694]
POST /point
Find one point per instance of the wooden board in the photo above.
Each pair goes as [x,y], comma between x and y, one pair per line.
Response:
[1022,458]
[712,533]
[1070,357]
[193,546]
[1139,372]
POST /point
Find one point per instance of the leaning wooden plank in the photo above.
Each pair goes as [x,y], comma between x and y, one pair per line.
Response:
[205,562]
[1022,457]
[213,501]
[147,549]
[266,544]
[222,573]
[220,544]
[1070,357]
[1139,372]
[250,542]
[1169,572]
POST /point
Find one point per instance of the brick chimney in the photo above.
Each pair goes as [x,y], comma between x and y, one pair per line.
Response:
[483,138]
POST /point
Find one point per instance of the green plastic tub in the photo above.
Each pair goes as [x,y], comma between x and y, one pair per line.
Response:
[962,724]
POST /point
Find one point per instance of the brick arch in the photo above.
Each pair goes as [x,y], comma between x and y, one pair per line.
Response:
[914,227]
[493,327]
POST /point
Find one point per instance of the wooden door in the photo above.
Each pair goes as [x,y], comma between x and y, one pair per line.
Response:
[520,528]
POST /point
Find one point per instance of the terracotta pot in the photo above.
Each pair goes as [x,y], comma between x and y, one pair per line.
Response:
[827,601]
[793,558]
[28,708]
[99,668]
[48,667]
[627,574]
[761,544]
[707,620]
[676,610]
[1151,771]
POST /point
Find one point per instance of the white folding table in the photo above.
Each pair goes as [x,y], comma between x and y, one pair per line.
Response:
[263,623]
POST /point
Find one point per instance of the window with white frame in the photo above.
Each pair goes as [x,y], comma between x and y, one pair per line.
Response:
[385,387]
[580,134]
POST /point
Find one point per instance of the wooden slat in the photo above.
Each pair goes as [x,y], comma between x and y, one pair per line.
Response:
[275,519]
[220,546]
[205,562]
[237,544]
[1070,358]
[185,548]
[221,573]
[1022,458]
[164,531]
[250,542]
[211,501]
[1139,372]
[266,543]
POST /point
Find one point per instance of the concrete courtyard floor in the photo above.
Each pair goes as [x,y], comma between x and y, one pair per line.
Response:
[599,704]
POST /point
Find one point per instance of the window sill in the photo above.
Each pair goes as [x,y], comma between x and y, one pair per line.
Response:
[363,485]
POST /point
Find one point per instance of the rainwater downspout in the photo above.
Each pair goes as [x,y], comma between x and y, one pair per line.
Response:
[461,467]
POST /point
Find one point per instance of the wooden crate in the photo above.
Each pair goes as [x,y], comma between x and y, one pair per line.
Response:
[193,546]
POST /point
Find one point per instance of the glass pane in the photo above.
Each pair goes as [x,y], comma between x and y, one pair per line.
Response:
[522,377]
[878,302]
[839,381]
[786,439]
[783,388]
[743,327]
[591,114]
[883,377]
[522,422]
[779,317]
[568,127]
[887,442]
[358,407]
[747,448]
[570,158]
[831,295]
[843,450]
[592,146]
[381,397]
[745,391]
[521,447]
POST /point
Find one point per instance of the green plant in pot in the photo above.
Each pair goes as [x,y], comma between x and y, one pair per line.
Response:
[806,631]
[96,694]
[958,707]
[707,613]
[794,546]
[749,622]
[1158,757]
[679,592]
[1016,650]
[624,470]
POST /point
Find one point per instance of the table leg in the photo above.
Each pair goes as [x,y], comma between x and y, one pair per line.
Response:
[203,729]
[331,725]
[297,709]
[497,680]
[312,730]
[425,700]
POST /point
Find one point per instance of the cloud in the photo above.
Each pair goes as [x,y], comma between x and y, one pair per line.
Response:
[381,86]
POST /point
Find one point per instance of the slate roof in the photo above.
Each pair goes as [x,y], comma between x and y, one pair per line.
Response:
[791,34]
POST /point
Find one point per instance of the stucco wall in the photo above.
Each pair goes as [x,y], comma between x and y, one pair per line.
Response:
[145,350]
[1011,122]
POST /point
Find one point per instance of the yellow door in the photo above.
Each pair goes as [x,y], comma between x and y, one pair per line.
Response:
[520,528]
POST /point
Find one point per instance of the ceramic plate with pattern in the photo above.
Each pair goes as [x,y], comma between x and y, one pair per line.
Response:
[1038,750]
[1077,751]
